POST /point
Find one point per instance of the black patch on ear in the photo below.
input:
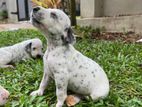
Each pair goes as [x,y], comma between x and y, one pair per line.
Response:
[69,38]
[28,48]
[53,15]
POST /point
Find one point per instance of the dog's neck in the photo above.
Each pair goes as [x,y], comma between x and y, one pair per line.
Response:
[54,42]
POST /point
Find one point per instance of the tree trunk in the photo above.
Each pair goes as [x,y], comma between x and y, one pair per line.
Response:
[72,12]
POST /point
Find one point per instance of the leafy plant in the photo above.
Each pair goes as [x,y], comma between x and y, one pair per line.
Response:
[88,32]
[3,14]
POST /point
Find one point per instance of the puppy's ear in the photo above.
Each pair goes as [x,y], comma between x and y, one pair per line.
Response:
[28,47]
[69,37]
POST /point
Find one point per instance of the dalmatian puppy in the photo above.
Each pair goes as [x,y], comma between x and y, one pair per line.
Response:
[4,94]
[70,69]
[21,51]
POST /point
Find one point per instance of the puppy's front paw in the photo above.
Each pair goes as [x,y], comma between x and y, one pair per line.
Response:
[58,105]
[37,93]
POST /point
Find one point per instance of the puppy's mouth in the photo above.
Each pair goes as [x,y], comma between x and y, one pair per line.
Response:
[34,20]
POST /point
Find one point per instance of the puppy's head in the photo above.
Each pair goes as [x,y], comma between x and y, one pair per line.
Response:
[4,94]
[54,23]
[34,48]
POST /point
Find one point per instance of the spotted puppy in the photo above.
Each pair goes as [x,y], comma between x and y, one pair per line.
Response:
[4,94]
[62,62]
[20,51]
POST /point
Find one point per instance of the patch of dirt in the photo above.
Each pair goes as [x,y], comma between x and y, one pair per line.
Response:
[129,37]
[15,26]
[3,21]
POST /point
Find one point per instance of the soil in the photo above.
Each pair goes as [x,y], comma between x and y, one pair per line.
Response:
[129,37]
[15,26]
[3,21]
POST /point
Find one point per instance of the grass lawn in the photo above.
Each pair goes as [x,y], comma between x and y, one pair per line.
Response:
[119,60]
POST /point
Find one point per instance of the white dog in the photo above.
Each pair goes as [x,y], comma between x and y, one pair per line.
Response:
[20,51]
[4,94]
[62,62]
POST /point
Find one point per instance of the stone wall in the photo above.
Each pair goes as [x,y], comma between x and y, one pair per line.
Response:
[12,7]
[113,15]
[3,9]
[100,8]
[122,7]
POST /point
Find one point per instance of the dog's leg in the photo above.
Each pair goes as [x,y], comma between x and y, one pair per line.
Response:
[42,86]
[61,90]
[98,95]
[7,66]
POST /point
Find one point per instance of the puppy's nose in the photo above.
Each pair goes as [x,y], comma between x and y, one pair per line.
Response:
[36,9]
[39,56]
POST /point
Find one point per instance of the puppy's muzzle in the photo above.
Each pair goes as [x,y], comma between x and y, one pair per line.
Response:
[39,56]
[37,16]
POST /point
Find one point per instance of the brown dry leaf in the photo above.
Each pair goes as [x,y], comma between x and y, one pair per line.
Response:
[72,100]
[47,3]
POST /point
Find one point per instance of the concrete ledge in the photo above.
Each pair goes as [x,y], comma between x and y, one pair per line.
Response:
[114,24]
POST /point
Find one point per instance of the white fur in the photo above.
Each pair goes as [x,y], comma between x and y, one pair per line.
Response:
[62,62]
[17,52]
[140,40]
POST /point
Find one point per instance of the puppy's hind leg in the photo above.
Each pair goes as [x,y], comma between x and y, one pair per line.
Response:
[5,62]
[42,86]
[7,66]
[99,94]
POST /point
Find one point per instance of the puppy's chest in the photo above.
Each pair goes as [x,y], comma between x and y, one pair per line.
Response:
[58,59]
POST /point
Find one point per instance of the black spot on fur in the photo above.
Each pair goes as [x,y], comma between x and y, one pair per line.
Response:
[70,71]
[80,66]
[75,61]
[77,88]
[65,56]
[75,75]
[77,55]
[54,15]
[62,79]
[82,81]
[59,86]
[55,71]
[59,64]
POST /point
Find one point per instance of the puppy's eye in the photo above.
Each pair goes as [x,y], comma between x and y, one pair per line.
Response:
[34,48]
[53,15]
